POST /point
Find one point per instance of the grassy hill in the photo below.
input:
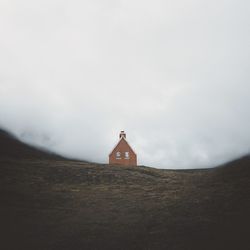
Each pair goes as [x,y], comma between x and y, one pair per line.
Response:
[48,202]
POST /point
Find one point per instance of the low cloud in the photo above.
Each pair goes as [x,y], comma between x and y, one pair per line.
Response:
[173,74]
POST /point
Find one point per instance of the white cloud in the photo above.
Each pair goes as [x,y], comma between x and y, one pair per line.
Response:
[173,74]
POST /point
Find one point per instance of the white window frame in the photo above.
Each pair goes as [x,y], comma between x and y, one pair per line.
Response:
[118,155]
[127,156]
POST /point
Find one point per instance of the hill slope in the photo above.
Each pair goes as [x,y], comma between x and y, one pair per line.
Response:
[11,147]
[52,203]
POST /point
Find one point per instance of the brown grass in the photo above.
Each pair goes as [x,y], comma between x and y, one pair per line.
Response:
[53,203]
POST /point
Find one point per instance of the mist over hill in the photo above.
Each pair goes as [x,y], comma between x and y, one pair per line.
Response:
[12,148]
[173,74]
[48,202]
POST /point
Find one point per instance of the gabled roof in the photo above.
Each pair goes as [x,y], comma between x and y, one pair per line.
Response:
[122,138]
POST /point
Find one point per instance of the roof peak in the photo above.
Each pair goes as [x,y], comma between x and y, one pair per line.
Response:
[122,138]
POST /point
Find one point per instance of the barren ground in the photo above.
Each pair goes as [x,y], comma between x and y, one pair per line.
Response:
[48,202]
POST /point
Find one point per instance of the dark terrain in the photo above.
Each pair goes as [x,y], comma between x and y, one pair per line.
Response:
[48,202]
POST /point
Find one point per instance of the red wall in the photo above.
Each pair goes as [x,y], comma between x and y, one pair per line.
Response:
[123,147]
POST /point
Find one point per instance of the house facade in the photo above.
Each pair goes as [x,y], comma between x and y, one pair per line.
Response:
[122,153]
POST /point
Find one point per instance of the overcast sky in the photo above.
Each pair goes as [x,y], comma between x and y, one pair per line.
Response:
[174,74]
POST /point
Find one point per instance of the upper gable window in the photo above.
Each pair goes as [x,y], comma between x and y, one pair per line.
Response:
[118,155]
[126,155]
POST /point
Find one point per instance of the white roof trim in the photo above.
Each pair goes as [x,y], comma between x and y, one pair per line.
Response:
[118,144]
[115,146]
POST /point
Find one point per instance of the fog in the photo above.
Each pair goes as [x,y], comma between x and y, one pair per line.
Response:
[173,74]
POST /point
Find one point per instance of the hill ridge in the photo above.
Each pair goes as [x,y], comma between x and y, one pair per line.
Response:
[12,147]
[58,204]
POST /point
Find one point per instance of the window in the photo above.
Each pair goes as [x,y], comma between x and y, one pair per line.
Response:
[118,155]
[126,155]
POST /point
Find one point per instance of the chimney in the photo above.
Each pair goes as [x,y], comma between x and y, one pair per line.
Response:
[122,134]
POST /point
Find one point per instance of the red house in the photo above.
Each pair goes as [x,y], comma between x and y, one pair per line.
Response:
[122,153]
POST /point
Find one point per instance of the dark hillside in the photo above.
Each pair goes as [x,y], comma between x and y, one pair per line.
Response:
[11,147]
[57,204]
